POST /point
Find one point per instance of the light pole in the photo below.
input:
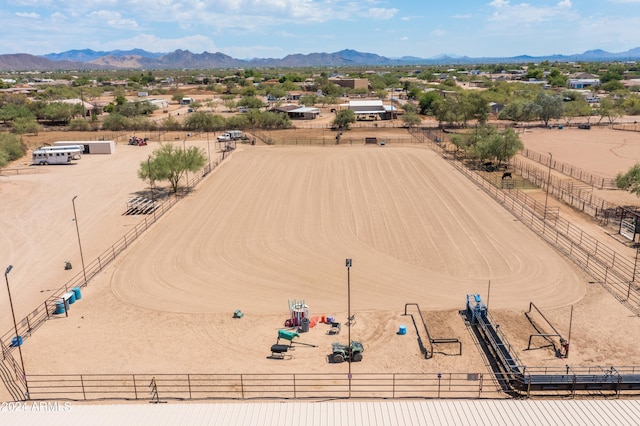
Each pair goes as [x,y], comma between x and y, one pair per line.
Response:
[348,265]
[15,327]
[75,219]
[546,198]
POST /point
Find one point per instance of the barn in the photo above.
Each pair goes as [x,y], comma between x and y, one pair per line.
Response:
[372,109]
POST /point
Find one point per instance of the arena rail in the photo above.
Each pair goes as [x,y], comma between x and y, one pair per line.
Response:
[614,270]
[88,387]
[163,387]
[45,311]
[569,170]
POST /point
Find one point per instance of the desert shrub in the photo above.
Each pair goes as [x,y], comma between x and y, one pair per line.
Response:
[79,124]
[11,148]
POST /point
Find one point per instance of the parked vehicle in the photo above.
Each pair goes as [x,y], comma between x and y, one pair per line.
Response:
[341,353]
[57,154]
[231,135]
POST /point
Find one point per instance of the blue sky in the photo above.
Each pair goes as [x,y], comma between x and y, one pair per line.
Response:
[276,28]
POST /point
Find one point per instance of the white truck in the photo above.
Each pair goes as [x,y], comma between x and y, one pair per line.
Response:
[231,135]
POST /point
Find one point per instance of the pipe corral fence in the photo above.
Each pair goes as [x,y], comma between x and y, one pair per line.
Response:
[610,268]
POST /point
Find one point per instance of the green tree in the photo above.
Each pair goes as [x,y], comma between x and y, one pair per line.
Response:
[612,86]
[577,108]
[411,119]
[609,109]
[630,181]
[11,148]
[26,125]
[169,163]
[426,102]
[115,122]
[308,100]
[79,124]
[251,102]
[343,119]
[550,106]
[177,97]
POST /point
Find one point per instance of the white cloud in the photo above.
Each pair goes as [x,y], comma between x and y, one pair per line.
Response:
[405,38]
[439,33]
[526,13]
[499,3]
[31,15]
[465,16]
[113,19]
[380,13]
[58,17]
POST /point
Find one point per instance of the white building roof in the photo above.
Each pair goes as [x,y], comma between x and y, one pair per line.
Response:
[306,109]
[323,413]
[367,103]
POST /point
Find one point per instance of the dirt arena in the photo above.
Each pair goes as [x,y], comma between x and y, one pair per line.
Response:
[273,224]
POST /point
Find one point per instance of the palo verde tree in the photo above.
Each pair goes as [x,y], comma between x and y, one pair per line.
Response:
[488,143]
[170,163]
[630,181]
[549,106]
[343,119]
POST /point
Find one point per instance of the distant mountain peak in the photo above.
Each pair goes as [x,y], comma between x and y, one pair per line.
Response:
[180,59]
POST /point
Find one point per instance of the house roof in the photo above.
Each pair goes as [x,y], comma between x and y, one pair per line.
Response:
[366,103]
[393,413]
[305,109]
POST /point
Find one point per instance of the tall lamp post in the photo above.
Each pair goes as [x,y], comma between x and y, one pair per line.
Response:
[75,219]
[15,327]
[546,198]
[348,265]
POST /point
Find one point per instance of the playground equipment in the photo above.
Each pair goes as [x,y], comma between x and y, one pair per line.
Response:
[298,310]
[290,335]
[428,352]
[341,353]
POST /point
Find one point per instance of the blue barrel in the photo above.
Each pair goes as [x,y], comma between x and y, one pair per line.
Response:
[69,297]
[60,309]
[76,291]
[402,330]
[16,341]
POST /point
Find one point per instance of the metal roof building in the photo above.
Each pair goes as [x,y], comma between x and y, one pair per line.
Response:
[329,413]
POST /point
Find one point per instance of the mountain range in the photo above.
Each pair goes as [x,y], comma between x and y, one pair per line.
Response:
[88,59]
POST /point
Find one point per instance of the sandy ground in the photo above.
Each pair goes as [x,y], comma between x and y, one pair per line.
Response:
[274,224]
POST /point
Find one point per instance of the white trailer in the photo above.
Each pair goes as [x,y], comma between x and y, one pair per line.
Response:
[57,154]
[231,135]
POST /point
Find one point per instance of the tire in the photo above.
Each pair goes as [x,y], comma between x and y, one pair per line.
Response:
[338,358]
[357,357]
